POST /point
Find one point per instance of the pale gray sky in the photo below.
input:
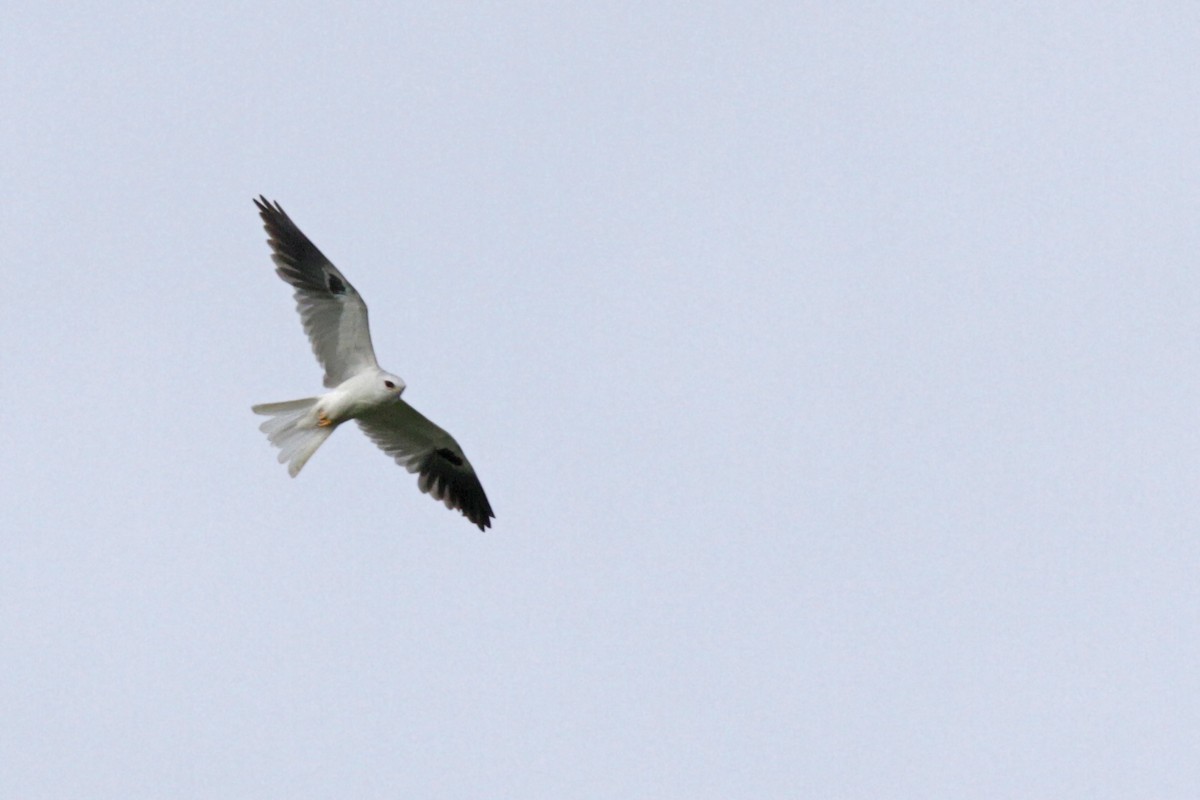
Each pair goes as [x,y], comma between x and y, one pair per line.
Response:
[831,368]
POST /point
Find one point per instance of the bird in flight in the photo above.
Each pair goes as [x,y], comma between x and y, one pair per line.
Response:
[335,319]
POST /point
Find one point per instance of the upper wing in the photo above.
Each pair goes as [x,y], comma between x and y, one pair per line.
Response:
[422,447]
[334,314]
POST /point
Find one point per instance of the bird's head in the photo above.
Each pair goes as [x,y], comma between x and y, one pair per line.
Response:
[392,385]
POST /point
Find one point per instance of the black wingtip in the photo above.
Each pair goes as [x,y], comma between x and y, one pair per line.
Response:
[267,209]
[475,507]
[481,516]
[288,242]
[445,475]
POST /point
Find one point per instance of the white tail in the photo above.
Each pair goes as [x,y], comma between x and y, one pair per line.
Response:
[293,428]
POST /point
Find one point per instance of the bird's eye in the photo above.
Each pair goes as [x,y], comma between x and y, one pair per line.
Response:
[389,384]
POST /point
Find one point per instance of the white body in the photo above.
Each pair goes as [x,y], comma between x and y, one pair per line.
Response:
[299,427]
[365,392]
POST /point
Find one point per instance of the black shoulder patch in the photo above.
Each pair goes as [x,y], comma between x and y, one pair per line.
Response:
[335,284]
[449,455]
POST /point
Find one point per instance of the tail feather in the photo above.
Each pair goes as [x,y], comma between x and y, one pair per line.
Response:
[293,428]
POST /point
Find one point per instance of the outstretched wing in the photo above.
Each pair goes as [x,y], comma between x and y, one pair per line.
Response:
[422,447]
[334,314]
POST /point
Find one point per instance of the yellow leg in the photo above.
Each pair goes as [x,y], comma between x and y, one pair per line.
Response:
[322,420]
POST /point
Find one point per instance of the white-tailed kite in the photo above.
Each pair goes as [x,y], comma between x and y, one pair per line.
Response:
[335,318]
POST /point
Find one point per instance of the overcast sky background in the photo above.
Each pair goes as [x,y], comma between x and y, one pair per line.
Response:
[831,368]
